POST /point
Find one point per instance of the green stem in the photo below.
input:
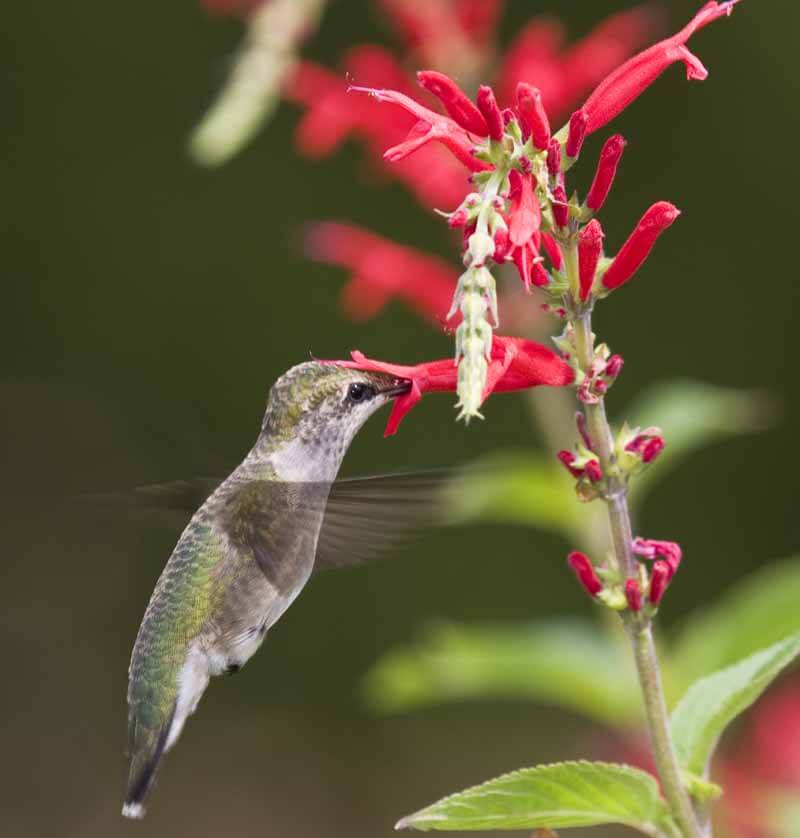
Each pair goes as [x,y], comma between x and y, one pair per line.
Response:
[639,628]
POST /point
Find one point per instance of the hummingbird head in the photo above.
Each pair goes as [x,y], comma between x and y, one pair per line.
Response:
[313,412]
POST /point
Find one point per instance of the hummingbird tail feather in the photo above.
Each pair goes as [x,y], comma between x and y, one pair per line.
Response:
[146,749]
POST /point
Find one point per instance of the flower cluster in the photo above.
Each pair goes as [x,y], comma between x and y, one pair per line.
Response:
[519,210]
[643,592]
[458,37]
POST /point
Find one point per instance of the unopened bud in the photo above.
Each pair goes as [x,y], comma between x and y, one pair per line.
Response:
[606,170]
[577,133]
[532,116]
[487,105]
[554,157]
[553,251]
[652,448]
[614,366]
[560,206]
[651,548]
[585,573]
[659,580]
[593,471]
[567,458]
[590,249]
[633,594]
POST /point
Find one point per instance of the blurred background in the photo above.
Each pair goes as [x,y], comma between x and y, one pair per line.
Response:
[150,303]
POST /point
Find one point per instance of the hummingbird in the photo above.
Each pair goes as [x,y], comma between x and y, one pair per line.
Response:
[248,551]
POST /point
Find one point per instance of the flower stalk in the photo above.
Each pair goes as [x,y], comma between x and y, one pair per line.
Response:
[638,624]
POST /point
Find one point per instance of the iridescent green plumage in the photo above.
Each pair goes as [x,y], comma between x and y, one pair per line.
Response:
[243,558]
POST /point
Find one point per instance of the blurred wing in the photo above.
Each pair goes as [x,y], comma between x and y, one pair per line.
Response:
[365,517]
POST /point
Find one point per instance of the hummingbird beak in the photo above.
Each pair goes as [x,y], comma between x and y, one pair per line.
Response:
[397,388]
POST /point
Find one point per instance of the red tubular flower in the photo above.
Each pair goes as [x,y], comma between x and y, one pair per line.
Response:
[487,105]
[639,244]
[632,78]
[515,364]
[590,249]
[532,115]
[429,126]
[585,573]
[457,104]
[382,270]
[524,214]
[606,171]
[633,594]
[577,133]
[659,580]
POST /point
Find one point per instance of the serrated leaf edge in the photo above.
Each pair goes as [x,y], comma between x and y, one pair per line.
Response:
[621,768]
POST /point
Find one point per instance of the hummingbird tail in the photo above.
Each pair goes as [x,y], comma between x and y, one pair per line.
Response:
[146,748]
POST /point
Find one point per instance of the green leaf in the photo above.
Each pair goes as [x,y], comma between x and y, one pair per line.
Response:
[560,795]
[693,414]
[713,702]
[759,610]
[573,664]
[518,487]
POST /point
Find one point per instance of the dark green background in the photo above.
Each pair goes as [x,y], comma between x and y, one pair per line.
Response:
[147,307]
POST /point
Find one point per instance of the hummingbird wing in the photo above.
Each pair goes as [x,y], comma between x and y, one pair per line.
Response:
[366,517]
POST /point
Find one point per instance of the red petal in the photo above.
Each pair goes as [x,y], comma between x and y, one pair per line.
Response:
[525,214]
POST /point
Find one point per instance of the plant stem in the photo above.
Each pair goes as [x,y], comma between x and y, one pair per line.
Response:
[639,627]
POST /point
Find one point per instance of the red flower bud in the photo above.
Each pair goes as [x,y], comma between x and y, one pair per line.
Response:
[554,157]
[560,206]
[508,116]
[590,248]
[651,548]
[652,448]
[593,471]
[585,573]
[606,170]
[567,458]
[632,78]
[487,105]
[639,244]
[648,445]
[577,133]
[539,276]
[532,116]
[659,580]
[633,594]
[553,251]
[457,104]
[614,366]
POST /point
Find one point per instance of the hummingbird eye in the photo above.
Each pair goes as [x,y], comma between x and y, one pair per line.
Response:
[359,392]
